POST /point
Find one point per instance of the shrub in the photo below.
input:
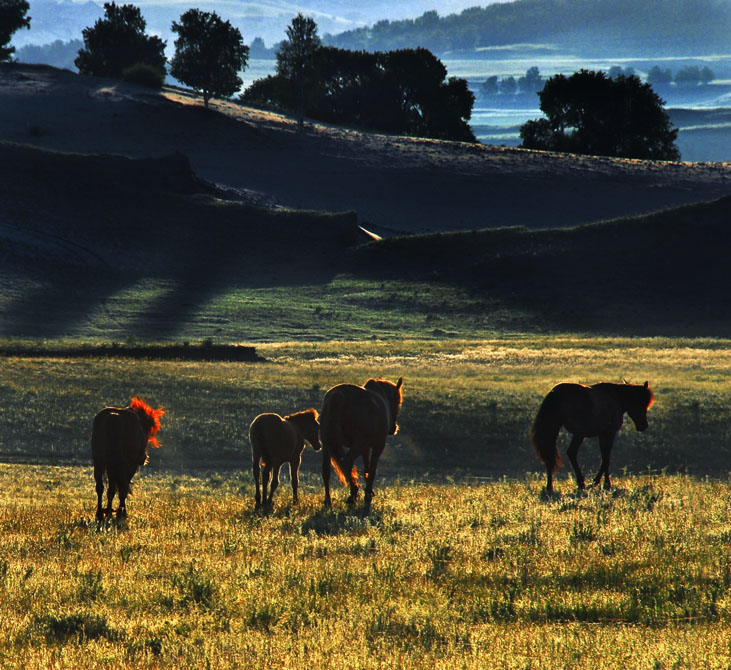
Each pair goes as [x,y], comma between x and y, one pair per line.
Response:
[145,75]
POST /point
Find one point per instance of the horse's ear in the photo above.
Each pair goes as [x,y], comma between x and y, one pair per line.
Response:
[647,385]
[399,383]
[624,381]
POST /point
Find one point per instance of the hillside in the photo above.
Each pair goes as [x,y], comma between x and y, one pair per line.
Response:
[659,27]
[395,184]
[108,246]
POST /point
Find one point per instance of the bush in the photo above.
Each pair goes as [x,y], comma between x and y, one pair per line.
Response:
[145,75]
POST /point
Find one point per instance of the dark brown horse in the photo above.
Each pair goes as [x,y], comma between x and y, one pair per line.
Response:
[276,441]
[119,440]
[354,422]
[587,411]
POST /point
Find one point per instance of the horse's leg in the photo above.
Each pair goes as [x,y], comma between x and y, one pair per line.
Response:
[275,480]
[111,491]
[348,464]
[266,476]
[257,478]
[123,493]
[573,449]
[606,440]
[326,475]
[370,475]
[294,473]
[99,479]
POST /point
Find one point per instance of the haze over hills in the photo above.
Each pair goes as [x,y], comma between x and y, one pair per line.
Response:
[672,27]
[65,19]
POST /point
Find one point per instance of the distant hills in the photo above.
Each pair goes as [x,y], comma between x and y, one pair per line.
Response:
[64,20]
[672,27]
[651,27]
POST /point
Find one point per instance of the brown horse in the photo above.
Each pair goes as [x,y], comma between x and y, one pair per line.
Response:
[357,418]
[119,440]
[587,411]
[276,441]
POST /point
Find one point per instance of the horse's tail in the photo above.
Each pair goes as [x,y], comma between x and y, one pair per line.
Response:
[544,432]
[257,437]
[331,435]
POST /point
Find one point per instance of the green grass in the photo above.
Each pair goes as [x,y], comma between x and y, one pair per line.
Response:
[462,563]
[468,404]
[439,575]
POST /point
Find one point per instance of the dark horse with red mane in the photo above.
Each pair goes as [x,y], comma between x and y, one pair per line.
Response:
[354,422]
[587,411]
[119,440]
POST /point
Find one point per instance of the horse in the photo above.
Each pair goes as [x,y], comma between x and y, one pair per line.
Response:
[357,418]
[276,441]
[119,440]
[587,411]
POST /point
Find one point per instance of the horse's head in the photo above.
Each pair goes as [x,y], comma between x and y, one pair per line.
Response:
[393,394]
[149,419]
[640,398]
[308,424]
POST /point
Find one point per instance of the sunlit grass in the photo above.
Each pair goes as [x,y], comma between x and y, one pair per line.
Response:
[440,575]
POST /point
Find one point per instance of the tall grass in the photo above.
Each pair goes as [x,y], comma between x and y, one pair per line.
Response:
[439,575]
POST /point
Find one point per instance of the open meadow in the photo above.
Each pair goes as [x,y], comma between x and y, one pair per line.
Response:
[196,240]
[463,563]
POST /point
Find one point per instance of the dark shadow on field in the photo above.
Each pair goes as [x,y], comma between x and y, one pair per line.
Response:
[661,274]
[79,229]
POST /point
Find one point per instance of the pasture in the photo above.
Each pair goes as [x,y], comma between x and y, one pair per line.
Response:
[439,575]
[462,562]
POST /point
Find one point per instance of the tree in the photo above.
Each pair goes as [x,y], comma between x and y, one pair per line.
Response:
[532,82]
[590,113]
[117,42]
[657,75]
[295,58]
[508,85]
[489,87]
[402,91]
[12,18]
[209,54]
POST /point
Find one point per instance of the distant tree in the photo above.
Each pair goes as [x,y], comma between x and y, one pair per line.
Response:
[489,87]
[117,42]
[403,91]
[692,75]
[58,53]
[508,85]
[707,75]
[12,17]
[618,71]
[590,113]
[656,75]
[295,59]
[209,54]
[531,82]
[258,49]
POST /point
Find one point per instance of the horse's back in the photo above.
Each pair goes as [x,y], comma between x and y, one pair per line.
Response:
[116,437]
[351,408]
[269,433]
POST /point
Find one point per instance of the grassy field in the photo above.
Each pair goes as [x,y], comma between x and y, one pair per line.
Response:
[468,404]
[438,576]
[462,563]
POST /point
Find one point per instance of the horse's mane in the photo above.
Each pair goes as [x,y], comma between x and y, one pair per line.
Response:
[139,405]
[303,413]
[381,380]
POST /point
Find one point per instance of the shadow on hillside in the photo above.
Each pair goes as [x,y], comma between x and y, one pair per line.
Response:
[662,274]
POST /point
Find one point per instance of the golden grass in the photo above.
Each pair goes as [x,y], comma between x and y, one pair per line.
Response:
[445,576]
